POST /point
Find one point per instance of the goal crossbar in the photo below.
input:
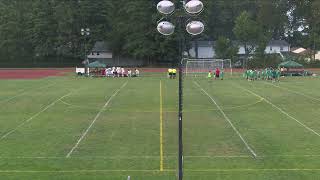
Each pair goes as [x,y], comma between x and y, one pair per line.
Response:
[196,66]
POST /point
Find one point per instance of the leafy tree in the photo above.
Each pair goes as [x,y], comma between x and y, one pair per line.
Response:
[247,31]
[225,49]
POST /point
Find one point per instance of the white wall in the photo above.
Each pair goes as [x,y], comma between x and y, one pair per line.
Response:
[203,52]
[101,55]
[209,52]
[276,49]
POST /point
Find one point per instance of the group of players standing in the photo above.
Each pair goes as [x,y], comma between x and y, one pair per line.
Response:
[266,74]
[218,74]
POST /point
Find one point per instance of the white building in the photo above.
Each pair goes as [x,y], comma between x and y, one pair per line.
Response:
[100,52]
[206,49]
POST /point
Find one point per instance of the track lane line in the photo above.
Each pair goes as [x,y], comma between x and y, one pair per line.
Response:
[229,121]
[94,120]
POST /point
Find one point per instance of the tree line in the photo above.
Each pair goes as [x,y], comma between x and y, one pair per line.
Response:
[41,29]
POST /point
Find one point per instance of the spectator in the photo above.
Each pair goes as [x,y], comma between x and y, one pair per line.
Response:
[129,73]
[137,72]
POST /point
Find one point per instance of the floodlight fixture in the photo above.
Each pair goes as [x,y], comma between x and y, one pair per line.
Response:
[195,27]
[194,7]
[166,7]
[166,28]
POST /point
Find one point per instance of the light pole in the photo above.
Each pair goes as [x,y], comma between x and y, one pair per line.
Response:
[191,9]
[85,32]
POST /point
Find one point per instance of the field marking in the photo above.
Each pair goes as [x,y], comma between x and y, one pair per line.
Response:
[245,170]
[161,130]
[94,120]
[296,92]
[165,157]
[24,91]
[155,171]
[34,116]
[229,121]
[282,111]
[87,171]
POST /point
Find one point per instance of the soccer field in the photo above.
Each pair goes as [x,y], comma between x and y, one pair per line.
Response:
[90,128]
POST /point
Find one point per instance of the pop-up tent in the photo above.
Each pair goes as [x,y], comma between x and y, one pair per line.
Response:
[291,65]
[96,64]
[291,68]
[96,68]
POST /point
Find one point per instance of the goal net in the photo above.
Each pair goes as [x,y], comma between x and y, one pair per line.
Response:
[201,67]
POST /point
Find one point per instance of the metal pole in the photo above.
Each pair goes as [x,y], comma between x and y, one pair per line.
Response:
[181,49]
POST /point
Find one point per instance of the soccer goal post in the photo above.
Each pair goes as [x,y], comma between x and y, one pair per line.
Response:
[199,67]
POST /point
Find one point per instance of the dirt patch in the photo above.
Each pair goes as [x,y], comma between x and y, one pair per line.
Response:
[31,73]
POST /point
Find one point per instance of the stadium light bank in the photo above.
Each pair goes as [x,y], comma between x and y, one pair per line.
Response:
[191,8]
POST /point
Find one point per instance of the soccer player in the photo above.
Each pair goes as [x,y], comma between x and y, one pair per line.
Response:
[170,73]
[137,72]
[174,73]
[209,75]
[217,74]
[222,74]
[247,74]
[278,74]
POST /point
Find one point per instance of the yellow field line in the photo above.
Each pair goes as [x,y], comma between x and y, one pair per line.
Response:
[161,130]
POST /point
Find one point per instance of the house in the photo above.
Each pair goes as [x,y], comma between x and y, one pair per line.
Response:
[101,52]
[300,50]
[317,56]
[206,49]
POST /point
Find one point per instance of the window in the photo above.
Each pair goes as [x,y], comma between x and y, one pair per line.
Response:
[281,48]
[270,48]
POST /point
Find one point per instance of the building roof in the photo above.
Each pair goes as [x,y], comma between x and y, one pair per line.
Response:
[299,50]
[101,46]
[278,43]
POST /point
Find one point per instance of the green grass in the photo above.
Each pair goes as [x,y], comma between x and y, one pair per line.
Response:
[279,122]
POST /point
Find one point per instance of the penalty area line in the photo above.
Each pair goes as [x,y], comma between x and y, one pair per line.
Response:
[24,91]
[295,92]
[34,116]
[94,120]
[282,111]
[228,120]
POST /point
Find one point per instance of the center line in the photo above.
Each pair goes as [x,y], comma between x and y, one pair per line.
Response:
[95,119]
[229,121]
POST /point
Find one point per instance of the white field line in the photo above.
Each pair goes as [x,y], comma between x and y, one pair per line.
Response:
[24,91]
[296,92]
[88,171]
[229,121]
[246,170]
[94,120]
[153,171]
[165,157]
[282,111]
[34,116]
